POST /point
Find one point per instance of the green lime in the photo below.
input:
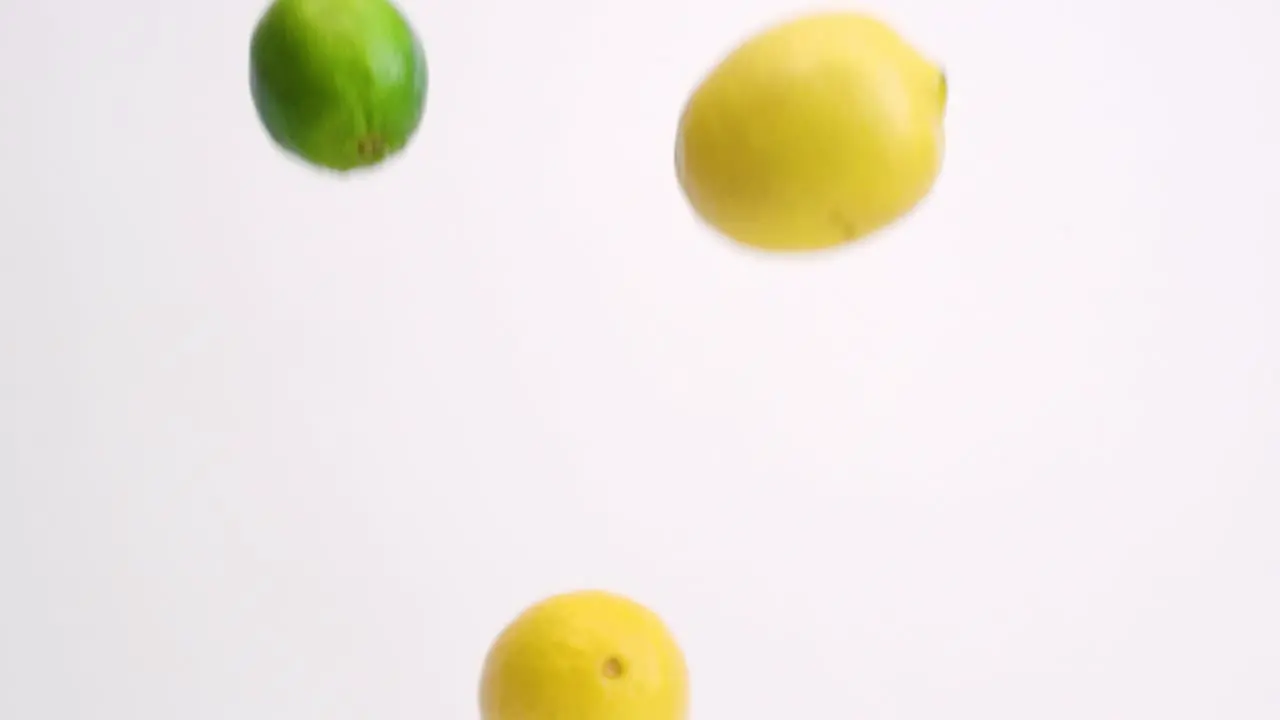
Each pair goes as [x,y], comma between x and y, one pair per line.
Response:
[341,84]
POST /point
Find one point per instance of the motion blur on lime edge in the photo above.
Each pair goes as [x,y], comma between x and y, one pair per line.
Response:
[340,84]
[818,131]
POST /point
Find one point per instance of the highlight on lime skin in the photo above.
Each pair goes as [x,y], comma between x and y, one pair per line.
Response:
[340,84]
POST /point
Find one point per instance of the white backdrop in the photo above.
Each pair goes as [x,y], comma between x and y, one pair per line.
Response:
[276,446]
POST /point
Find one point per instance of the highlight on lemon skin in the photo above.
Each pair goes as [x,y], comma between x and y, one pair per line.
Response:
[813,133]
[586,655]
[340,84]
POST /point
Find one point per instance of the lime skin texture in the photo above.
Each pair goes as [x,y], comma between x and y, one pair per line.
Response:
[341,84]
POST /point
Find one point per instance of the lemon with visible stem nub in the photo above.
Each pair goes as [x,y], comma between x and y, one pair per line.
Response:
[818,131]
[586,655]
[341,84]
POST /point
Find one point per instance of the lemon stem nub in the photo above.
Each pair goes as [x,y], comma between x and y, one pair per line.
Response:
[612,668]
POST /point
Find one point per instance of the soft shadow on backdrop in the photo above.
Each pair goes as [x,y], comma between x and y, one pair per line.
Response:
[278,446]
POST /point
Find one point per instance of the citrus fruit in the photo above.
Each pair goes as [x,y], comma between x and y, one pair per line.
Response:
[586,655]
[817,131]
[339,83]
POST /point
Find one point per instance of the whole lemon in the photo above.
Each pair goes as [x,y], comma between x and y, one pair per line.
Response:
[818,131]
[586,655]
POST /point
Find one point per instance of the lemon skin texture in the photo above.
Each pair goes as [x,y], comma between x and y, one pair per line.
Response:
[341,84]
[816,132]
[586,655]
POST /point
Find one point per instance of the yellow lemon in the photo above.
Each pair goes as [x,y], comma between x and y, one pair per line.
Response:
[586,655]
[815,132]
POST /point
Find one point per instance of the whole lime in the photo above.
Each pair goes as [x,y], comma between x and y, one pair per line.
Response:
[341,84]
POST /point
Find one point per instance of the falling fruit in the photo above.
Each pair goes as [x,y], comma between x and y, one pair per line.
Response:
[339,83]
[586,655]
[816,132]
